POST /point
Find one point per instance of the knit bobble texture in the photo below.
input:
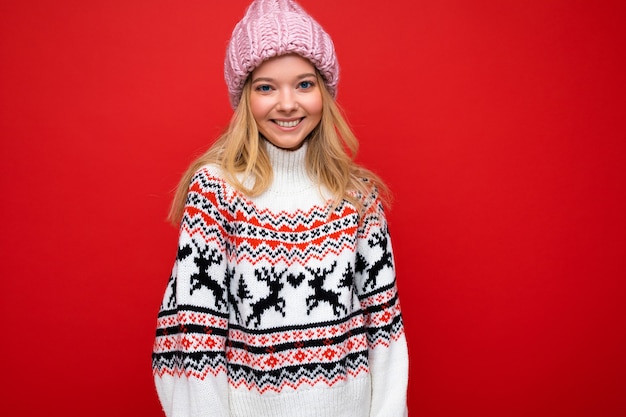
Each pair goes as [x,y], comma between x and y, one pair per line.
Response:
[273,28]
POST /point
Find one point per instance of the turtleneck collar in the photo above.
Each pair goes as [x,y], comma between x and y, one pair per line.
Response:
[290,173]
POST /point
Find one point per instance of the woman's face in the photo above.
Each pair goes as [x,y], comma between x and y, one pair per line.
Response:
[285,100]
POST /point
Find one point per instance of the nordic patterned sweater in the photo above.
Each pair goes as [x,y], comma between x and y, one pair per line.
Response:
[279,305]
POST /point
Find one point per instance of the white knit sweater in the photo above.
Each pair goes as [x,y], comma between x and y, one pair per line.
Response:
[279,305]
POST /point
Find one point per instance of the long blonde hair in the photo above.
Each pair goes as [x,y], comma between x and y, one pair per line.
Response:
[330,158]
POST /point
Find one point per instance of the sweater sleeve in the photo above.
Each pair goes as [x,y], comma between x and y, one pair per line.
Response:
[377,291]
[188,360]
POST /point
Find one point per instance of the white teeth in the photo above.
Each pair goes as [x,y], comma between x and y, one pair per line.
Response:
[292,123]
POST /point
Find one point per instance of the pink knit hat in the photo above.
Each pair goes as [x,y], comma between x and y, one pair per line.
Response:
[272,28]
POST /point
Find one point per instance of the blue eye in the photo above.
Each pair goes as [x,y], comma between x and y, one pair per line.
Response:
[306,84]
[264,88]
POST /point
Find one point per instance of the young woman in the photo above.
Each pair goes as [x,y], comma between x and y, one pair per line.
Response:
[282,300]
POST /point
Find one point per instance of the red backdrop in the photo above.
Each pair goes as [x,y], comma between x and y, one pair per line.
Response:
[498,124]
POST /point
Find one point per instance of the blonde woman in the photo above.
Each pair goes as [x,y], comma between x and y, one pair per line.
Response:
[282,300]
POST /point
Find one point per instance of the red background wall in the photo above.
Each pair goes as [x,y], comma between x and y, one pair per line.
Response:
[498,124]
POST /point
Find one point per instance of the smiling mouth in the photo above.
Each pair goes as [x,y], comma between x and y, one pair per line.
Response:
[290,123]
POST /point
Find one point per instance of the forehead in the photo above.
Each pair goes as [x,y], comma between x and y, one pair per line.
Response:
[284,65]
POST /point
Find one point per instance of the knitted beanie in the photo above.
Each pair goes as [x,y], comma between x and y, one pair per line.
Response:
[272,28]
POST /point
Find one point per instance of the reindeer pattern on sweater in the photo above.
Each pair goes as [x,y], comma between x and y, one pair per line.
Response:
[276,296]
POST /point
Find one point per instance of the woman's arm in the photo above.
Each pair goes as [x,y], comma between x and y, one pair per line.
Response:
[376,286]
[189,362]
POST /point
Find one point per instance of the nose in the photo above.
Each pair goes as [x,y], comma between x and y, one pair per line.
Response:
[287,101]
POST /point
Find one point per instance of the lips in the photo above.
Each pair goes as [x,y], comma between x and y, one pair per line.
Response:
[287,123]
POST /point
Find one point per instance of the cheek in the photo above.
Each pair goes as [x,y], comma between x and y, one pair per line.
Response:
[258,108]
[315,105]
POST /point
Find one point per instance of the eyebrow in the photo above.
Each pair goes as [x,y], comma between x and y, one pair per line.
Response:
[269,79]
